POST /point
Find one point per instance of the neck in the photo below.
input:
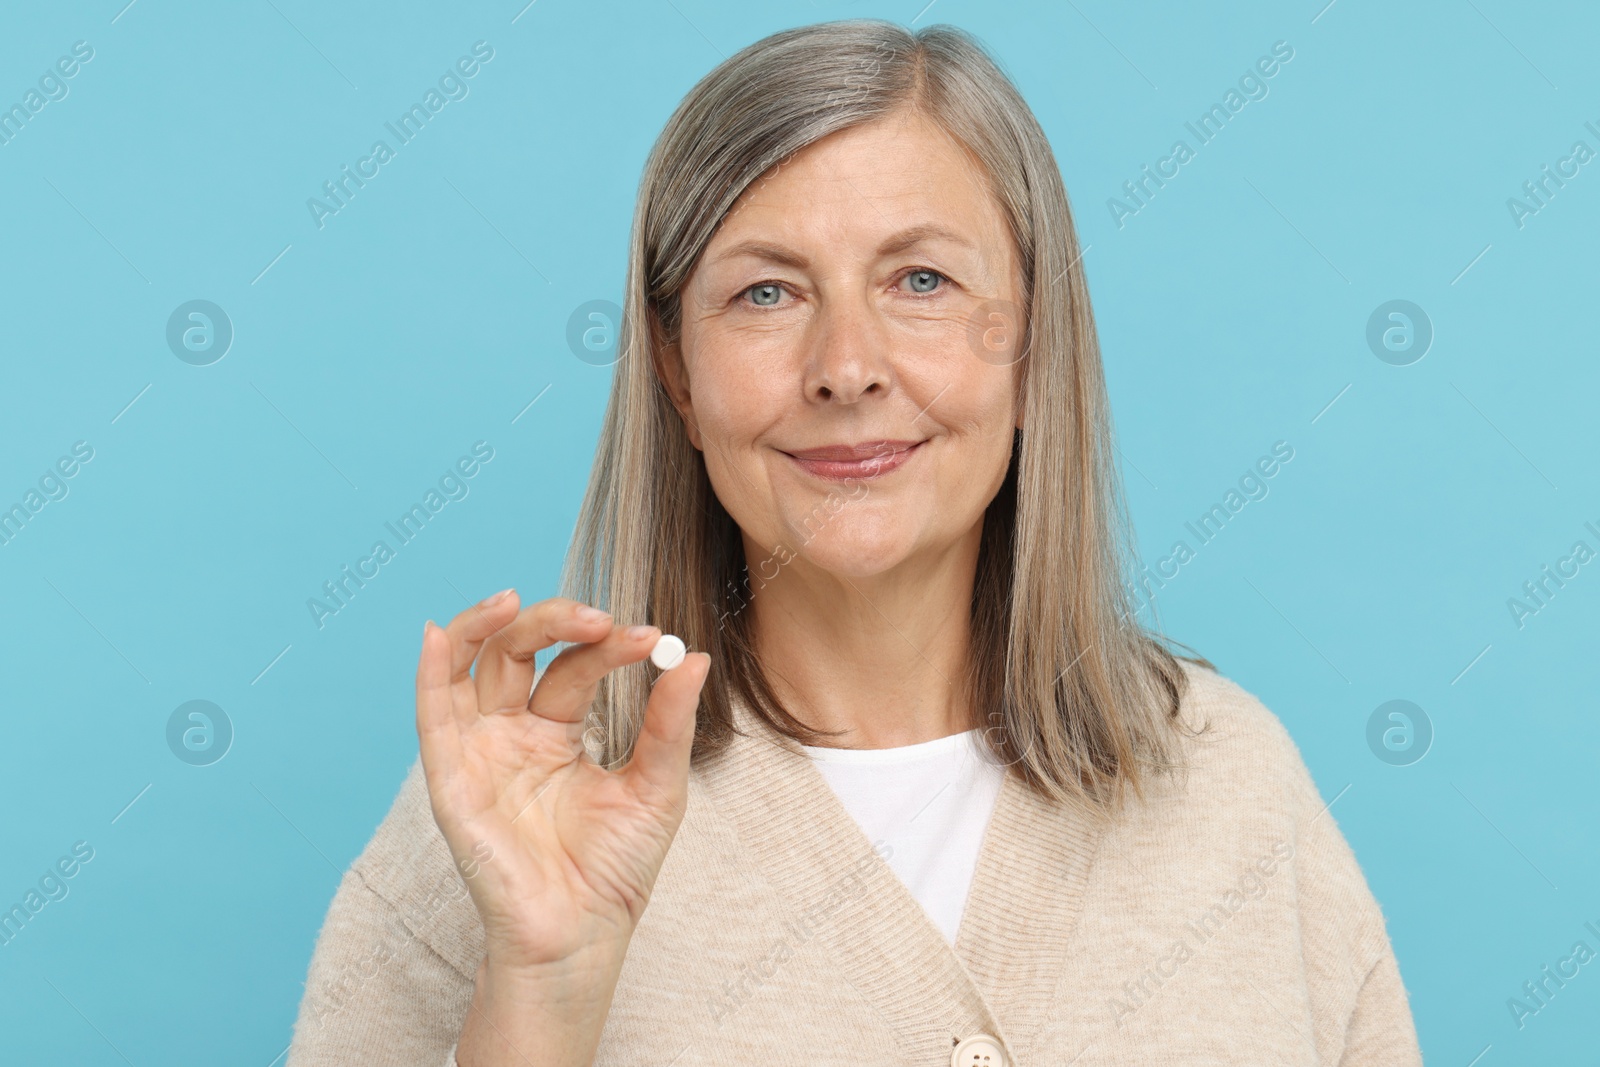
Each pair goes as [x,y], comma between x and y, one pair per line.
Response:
[882,657]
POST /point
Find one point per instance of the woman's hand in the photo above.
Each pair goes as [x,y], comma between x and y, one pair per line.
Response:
[560,854]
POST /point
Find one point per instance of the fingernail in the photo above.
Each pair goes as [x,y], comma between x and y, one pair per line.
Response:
[636,632]
[588,614]
[501,595]
[427,624]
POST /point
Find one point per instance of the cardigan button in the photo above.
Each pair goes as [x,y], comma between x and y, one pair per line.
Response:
[979,1050]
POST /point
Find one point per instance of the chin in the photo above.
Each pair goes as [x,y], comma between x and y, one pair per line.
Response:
[857,553]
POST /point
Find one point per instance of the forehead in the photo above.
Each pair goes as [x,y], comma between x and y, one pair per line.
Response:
[854,187]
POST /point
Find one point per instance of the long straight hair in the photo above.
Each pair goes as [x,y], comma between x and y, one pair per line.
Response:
[1070,690]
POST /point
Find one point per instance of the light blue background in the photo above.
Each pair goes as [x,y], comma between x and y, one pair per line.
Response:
[428,313]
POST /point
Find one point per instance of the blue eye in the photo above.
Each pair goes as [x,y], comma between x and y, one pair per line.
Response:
[924,281]
[765,294]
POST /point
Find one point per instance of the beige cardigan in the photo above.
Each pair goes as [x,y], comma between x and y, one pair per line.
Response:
[1227,925]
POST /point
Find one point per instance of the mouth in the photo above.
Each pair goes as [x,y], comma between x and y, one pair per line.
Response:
[868,459]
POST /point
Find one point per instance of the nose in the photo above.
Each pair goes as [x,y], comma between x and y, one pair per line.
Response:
[849,354]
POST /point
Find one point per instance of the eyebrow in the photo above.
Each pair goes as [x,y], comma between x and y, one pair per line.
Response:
[896,242]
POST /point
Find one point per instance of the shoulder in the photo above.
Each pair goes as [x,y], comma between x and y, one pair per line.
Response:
[1240,744]
[407,864]
[1210,695]
[1247,770]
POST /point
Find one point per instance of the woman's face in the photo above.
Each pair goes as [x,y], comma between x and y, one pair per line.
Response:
[864,291]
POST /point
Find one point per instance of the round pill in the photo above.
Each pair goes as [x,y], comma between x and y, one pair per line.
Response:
[668,652]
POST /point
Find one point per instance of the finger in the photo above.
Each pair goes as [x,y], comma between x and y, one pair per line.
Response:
[567,687]
[659,766]
[474,625]
[438,732]
[506,670]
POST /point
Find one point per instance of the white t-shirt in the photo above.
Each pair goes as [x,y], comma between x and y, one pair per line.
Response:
[930,803]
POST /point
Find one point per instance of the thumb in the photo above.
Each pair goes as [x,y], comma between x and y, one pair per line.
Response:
[659,767]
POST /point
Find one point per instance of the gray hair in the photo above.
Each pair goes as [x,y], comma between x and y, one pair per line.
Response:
[1072,691]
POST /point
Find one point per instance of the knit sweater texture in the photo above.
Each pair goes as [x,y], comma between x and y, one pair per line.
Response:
[1224,922]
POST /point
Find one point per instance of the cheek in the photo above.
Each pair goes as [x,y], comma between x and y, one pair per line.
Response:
[737,388]
[733,410]
[729,408]
[968,402]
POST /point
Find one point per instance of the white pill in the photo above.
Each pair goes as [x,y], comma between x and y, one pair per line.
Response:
[668,653]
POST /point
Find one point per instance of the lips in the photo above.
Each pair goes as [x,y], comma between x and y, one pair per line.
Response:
[866,459]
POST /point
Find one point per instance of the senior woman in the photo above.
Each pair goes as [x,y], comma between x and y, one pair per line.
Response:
[926,792]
